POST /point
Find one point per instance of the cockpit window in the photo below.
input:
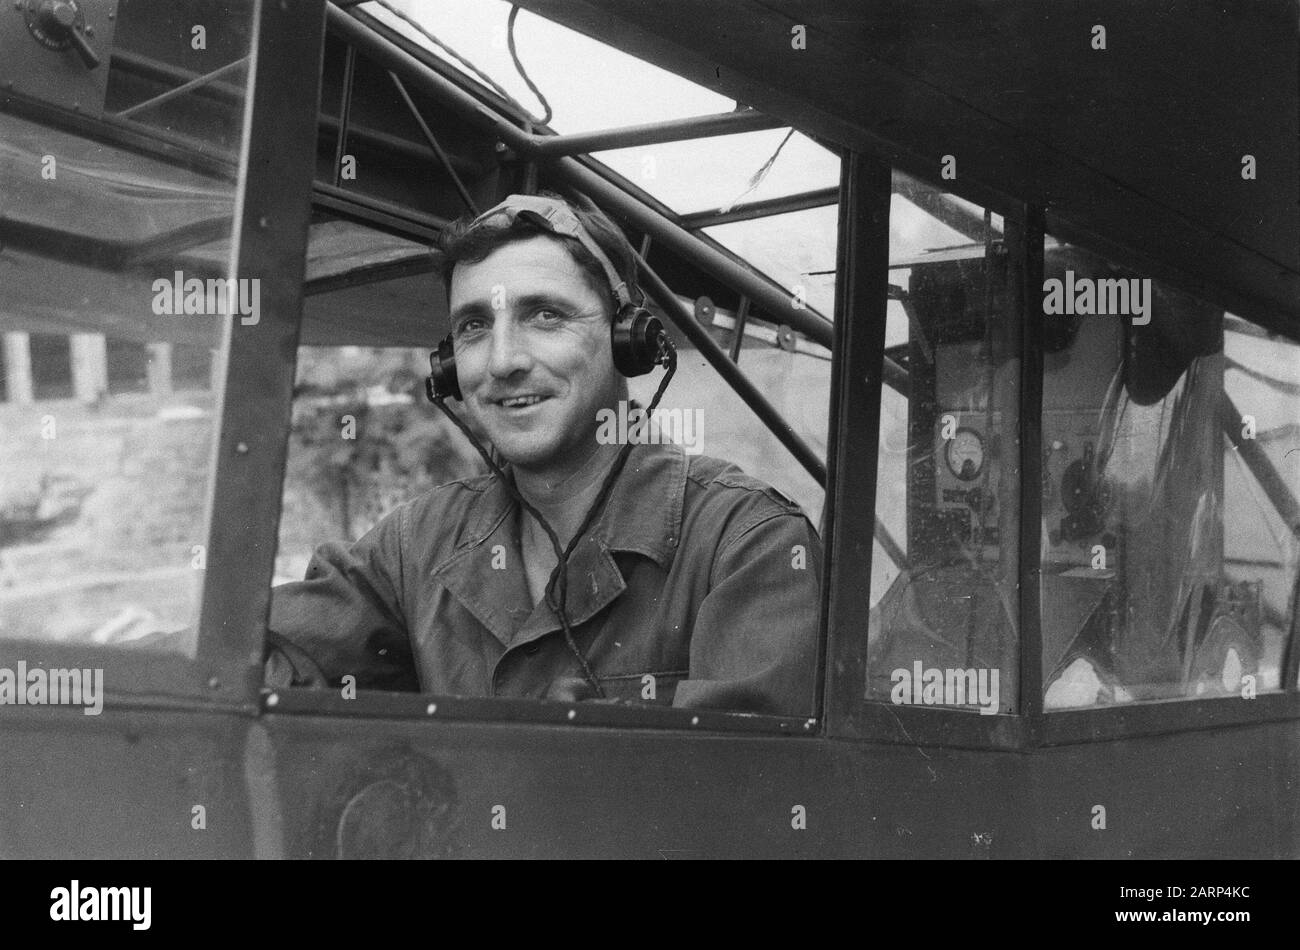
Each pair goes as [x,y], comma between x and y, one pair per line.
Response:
[114,330]
[1167,568]
[697,175]
[944,588]
[405,565]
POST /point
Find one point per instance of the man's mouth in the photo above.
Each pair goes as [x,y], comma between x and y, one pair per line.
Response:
[520,402]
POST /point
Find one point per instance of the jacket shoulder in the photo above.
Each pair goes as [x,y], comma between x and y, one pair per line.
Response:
[727,483]
[443,511]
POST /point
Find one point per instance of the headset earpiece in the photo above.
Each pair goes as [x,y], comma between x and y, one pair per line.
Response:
[635,337]
[442,381]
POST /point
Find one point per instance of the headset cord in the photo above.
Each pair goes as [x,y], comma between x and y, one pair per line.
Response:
[557,588]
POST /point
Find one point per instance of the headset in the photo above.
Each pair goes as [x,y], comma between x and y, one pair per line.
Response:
[639,342]
[637,337]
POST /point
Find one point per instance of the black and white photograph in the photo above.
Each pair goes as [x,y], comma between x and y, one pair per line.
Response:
[651,429]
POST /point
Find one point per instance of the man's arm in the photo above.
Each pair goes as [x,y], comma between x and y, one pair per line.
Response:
[754,646]
[346,615]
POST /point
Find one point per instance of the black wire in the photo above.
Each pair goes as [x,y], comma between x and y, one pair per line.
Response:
[557,587]
[523,74]
[484,77]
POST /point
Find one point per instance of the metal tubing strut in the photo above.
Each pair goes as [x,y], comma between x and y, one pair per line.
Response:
[345,114]
[786,204]
[652,133]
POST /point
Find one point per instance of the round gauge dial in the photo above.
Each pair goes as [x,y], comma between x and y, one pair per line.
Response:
[965,454]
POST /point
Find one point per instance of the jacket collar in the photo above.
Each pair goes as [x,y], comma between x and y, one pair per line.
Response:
[642,516]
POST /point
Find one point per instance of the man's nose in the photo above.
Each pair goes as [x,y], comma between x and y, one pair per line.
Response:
[509,350]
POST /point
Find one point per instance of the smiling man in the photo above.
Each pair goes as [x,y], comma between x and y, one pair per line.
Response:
[694,586]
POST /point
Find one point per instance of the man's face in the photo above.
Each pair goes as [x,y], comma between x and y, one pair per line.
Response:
[533,353]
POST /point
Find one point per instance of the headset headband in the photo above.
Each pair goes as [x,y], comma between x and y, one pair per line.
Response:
[558,218]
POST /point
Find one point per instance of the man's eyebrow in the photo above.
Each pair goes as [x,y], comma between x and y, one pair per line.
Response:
[473,308]
[544,299]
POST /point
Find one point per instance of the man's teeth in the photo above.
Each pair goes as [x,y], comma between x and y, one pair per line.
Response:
[518,401]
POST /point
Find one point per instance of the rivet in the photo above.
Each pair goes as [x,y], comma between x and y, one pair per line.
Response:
[263,223]
[431,708]
[214,683]
[695,720]
[242,448]
[273,700]
[573,714]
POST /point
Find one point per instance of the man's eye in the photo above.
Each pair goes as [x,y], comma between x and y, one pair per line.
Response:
[547,315]
[470,325]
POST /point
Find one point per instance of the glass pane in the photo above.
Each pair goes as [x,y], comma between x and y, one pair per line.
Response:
[944,585]
[364,441]
[113,338]
[718,172]
[563,63]
[695,175]
[1261,481]
[1167,571]
[797,250]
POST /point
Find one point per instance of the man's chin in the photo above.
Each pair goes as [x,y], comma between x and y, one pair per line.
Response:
[524,453]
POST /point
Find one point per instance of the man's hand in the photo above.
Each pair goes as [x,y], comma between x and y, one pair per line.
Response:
[575,689]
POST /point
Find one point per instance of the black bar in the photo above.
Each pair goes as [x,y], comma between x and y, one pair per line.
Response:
[861,303]
[738,331]
[786,204]
[272,213]
[374,704]
[652,133]
[1027,297]
[754,398]
[345,114]
[416,264]
[384,215]
[1188,714]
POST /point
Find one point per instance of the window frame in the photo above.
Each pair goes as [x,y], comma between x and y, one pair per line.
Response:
[409,705]
[272,205]
[403,705]
[861,298]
